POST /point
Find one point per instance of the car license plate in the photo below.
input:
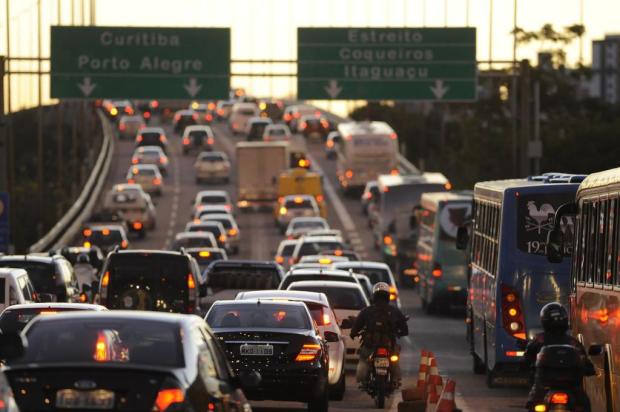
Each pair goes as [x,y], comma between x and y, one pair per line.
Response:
[382,363]
[256,350]
[72,399]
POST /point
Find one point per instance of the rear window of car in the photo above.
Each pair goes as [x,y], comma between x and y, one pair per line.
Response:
[150,152]
[209,199]
[277,132]
[206,228]
[148,282]
[105,237]
[315,248]
[227,223]
[150,136]
[287,250]
[193,241]
[198,133]
[42,275]
[117,341]
[243,277]
[263,315]
[246,112]
[303,204]
[147,172]
[374,275]
[303,224]
[339,298]
[211,158]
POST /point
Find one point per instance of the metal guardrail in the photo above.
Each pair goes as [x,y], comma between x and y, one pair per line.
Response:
[404,165]
[67,227]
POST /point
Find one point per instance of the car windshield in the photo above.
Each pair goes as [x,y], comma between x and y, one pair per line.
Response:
[120,341]
[148,282]
[263,315]
[339,298]
[42,275]
[243,277]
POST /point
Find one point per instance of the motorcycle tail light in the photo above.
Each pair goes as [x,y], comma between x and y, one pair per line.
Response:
[559,398]
[381,352]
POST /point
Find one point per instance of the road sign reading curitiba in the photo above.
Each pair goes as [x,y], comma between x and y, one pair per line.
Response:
[140,62]
[430,64]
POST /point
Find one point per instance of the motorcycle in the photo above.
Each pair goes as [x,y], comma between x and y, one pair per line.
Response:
[380,385]
[557,369]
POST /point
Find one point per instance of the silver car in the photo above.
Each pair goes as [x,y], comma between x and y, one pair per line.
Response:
[212,166]
[147,176]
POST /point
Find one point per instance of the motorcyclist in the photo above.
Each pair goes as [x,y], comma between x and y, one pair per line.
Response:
[85,273]
[554,319]
[379,324]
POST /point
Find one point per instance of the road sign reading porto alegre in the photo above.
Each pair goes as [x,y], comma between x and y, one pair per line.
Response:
[140,62]
[432,64]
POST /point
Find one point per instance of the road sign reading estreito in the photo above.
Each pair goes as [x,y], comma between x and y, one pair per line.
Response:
[387,63]
[140,62]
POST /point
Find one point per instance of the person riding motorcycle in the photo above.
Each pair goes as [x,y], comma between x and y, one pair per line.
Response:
[85,273]
[554,319]
[379,324]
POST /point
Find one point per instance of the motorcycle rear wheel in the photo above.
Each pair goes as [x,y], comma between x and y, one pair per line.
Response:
[380,391]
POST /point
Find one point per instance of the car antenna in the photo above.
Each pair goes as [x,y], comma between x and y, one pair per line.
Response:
[258,301]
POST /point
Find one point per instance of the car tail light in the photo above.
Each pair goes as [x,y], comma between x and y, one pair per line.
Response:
[387,240]
[303,125]
[436,272]
[162,159]
[194,116]
[122,127]
[210,105]
[208,117]
[177,117]
[220,112]
[105,281]
[280,259]
[320,198]
[191,284]
[559,398]
[393,136]
[232,232]
[329,144]
[394,172]
[124,244]
[303,163]
[139,138]
[131,181]
[324,123]
[381,352]
[210,141]
[286,117]
[448,186]
[162,138]
[512,315]
[87,232]
[147,115]
[222,238]
[157,181]
[167,397]
[327,320]
[134,160]
[137,225]
[154,104]
[308,352]
[348,174]
[186,141]
[128,110]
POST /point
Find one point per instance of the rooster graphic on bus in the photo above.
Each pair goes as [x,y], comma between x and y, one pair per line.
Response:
[537,217]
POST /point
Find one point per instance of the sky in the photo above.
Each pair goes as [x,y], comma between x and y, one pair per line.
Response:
[266,29]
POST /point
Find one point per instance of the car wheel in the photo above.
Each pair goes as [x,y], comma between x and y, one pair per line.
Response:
[320,403]
[337,391]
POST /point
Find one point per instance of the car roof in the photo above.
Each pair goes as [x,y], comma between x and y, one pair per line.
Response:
[144,166]
[149,252]
[197,127]
[319,272]
[205,249]
[185,235]
[328,283]
[284,294]
[57,305]
[361,264]
[288,241]
[164,317]
[258,301]
[31,258]
[213,216]
[212,192]
[153,130]
[244,262]
[257,119]
[292,197]
[213,154]
[321,239]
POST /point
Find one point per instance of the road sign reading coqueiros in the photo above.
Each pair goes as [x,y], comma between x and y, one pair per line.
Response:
[387,63]
[140,62]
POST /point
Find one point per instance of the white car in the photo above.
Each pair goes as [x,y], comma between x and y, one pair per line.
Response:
[212,166]
[230,224]
[129,126]
[375,272]
[17,287]
[293,206]
[147,176]
[326,320]
[331,145]
[299,226]
[199,137]
[277,133]
[240,114]
[151,155]
[347,299]
[212,198]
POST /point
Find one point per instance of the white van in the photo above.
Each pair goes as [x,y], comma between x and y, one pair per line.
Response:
[15,288]
[240,115]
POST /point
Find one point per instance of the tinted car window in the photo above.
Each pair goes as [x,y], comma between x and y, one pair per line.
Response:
[374,275]
[213,199]
[288,250]
[188,242]
[305,204]
[113,237]
[339,298]
[42,275]
[243,277]
[148,282]
[131,342]
[314,248]
[258,316]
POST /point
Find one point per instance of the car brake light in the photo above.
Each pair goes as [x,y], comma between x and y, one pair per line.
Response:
[191,284]
[137,225]
[177,117]
[208,117]
[319,198]
[162,138]
[387,240]
[122,127]
[512,315]
[222,238]
[303,125]
[210,141]
[162,159]
[308,352]
[381,352]
[436,272]
[131,181]
[154,104]
[394,172]
[124,244]
[232,232]
[559,398]
[157,181]
[101,348]
[87,232]
[186,141]
[139,138]
[134,160]
[287,117]
[280,259]
[147,115]
[393,136]
[194,116]
[348,174]
[167,397]
[327,320]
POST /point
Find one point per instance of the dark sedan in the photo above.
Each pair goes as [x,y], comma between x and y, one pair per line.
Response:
[16,317]
[125,361]
[278,341]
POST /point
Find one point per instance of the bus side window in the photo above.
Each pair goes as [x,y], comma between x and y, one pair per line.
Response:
[591,242]
[602,241]
[610,269]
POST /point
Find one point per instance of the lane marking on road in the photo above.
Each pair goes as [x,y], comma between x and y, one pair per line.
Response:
[175,200]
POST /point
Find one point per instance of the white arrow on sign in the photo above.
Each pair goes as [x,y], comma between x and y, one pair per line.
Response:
[192,87]
[86,86]
[333,90]
[439,90]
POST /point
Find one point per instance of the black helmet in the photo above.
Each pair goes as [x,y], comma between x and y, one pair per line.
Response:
[554,318]
[82,258]
[381,292]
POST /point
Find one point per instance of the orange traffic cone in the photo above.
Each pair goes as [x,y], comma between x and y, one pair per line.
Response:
[433,375]
[423,370]
[446,401]
[432,398]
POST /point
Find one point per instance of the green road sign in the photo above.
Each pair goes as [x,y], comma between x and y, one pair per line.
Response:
[437,64]
[140,62]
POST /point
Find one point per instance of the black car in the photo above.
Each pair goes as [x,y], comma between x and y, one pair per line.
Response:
[184,118]
[278,341]
[150,280]
[257,128]
[152,136]
[123,361]
[51,276]
[315,125]
[16,317]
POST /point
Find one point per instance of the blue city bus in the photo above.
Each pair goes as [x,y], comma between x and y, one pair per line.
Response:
[511,278]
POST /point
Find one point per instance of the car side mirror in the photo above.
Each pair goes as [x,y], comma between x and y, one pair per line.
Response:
[596,350]
[46,297]
[202,290]
[12,345]
[555,245]
[346,323]
[249,379]
[462,238]
[331,336]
